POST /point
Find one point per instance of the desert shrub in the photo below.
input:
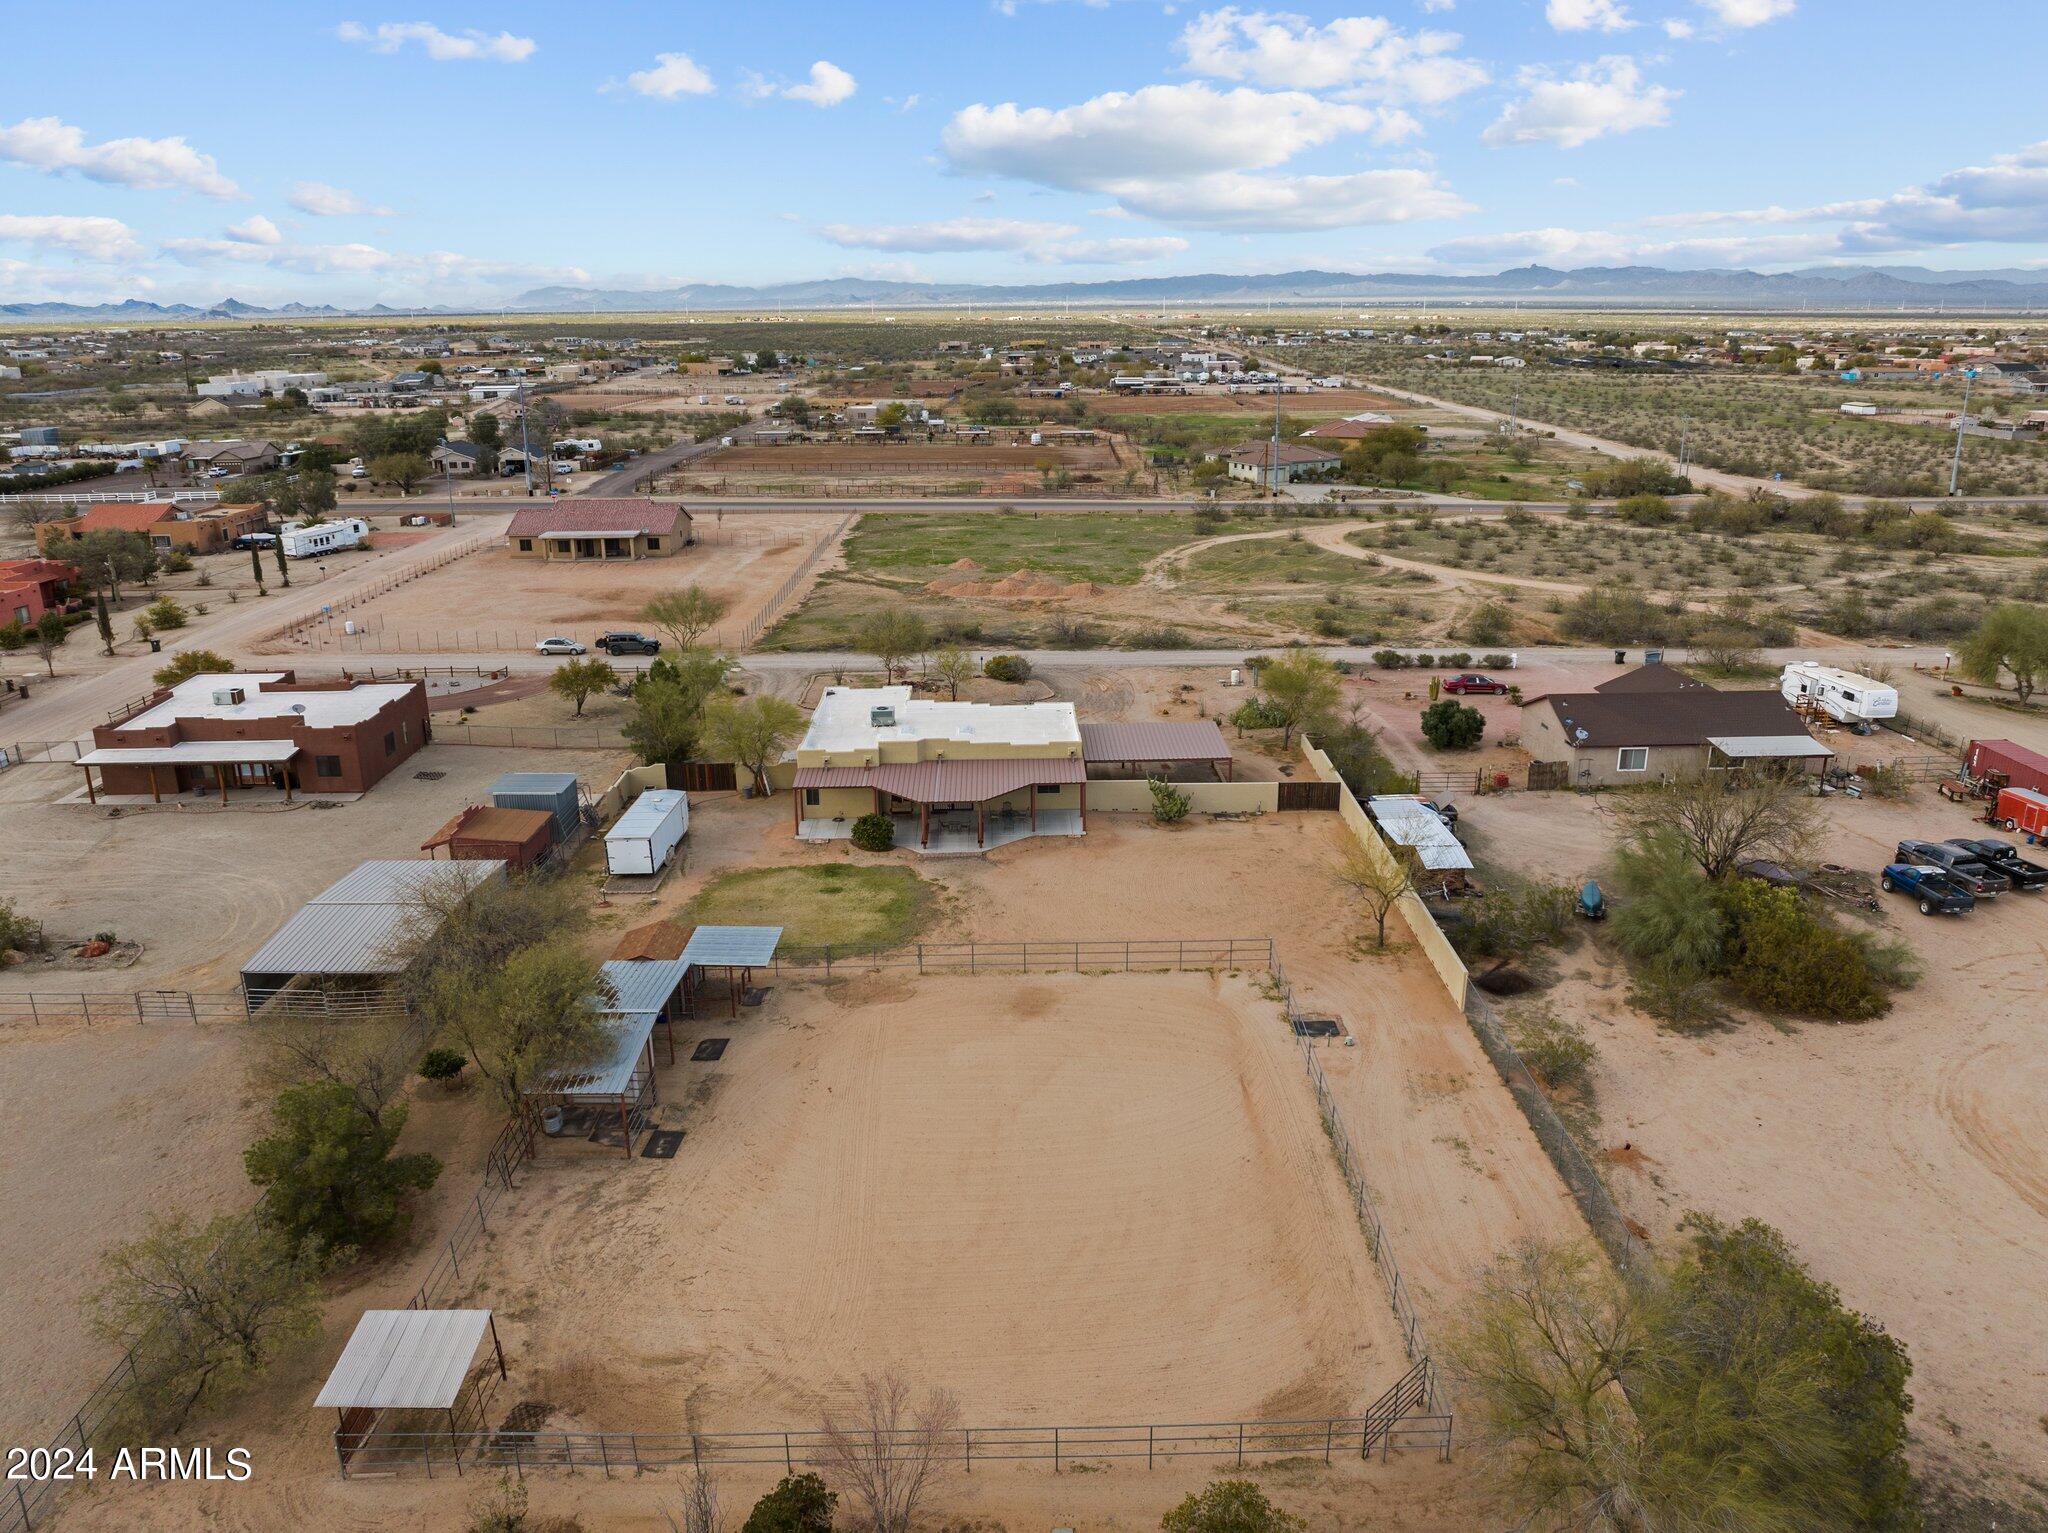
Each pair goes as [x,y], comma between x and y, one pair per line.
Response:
[1072,633]
[1513,923]
[1162,636]
[165,614]
[1496,662]
[799,1503]
[1449,725]
[1620,617]
[1355,751]
[1169,804]
[18,932]
[1389,659]
[1490,623]
[177,563]
[1258,713]
[1006,668]
[1781,957]
[1229,1506]
[1556,1050]
[441,1065]
[874,833]
[1456,660]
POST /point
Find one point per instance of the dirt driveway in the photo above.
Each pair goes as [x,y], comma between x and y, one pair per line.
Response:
[1906,1159]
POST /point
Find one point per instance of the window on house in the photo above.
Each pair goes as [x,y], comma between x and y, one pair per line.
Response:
[810,798]
[1048,787]
[390,743]
[526,545]
[326,766]
[1632,758]
[653,544]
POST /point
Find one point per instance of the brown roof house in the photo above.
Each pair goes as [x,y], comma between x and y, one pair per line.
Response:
[171,527]
[1655,724]
[600,529]
[257,731]
[1273,464]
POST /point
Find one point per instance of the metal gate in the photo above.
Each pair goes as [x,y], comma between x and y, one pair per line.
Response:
[1549,774]
[165,1006]
[1308,795]
[703,776]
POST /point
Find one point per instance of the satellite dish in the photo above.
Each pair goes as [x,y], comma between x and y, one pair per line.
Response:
[298,707]
[1579,735]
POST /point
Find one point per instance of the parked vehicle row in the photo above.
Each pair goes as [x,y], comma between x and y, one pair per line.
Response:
[618,641]
[1950,877]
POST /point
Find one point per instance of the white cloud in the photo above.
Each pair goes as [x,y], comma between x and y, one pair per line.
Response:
[1434,6]
[324,201]
[48,143]
[1678,29]
[1748,13]
[1052,243]
[1185,154]
[97,239]
[1368,56]
[414,271]
[1600,247]
[947,235]
[1113,252]
[390,36]
[672,75]
[1597,99]
[1588,15]
[255,230]
[828,85]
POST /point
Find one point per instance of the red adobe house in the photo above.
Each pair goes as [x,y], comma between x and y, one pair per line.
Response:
[31,587]
[217,732]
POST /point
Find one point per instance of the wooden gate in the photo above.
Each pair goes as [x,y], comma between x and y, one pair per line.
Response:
[1549,774]
[703,776]
[1308,795]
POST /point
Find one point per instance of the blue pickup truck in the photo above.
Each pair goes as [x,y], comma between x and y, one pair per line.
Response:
[1939,892]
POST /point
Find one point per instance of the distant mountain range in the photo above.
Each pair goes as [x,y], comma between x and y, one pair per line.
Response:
[1821,289]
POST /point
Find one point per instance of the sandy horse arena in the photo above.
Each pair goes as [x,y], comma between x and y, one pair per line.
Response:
[1067,1198]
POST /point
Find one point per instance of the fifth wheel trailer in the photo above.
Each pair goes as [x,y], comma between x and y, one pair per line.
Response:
[647,834]
[1841,695]
[303,542]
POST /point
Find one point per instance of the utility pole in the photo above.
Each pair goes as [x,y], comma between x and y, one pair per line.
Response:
[525,443]
[1955,468]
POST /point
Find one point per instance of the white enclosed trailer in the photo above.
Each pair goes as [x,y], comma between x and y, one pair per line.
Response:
[1840,694]
[647,834]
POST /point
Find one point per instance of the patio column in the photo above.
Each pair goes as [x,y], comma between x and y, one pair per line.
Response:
[1033,791]
[1084,808]
[796,811]
[220,770]
[924,824]
[155,794]
[981,824]
[89,791]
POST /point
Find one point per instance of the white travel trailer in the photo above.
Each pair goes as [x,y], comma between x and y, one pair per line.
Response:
[1840,694]
[302,542]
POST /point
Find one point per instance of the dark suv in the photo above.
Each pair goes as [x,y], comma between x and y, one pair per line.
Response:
[624,641]
[1966,868]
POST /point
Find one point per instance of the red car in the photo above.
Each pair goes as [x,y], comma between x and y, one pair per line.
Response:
[1471,682]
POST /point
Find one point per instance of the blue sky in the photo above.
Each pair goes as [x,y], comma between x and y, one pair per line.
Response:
[464,154]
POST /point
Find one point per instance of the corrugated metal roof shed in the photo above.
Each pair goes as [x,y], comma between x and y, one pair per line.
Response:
[357,923]
[732,947]
[642,984]
[391,882]
[611,1074]
[1154,740]
[405,1359]
[1411,823]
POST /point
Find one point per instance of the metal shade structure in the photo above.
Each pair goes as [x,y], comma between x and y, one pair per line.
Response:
[1160,741]
[738,950]
[409,1360]
[1768,747]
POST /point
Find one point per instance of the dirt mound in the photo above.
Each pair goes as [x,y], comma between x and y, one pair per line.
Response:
[1018,585]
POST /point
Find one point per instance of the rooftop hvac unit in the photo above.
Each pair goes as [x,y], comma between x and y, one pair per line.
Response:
[229,697]
[883,717]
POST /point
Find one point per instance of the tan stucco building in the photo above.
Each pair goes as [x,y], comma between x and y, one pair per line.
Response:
[600,529]
[1657,724]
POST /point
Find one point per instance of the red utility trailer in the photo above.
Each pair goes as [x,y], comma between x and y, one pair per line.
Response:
[2021,809]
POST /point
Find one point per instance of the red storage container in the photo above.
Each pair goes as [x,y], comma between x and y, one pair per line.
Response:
[2022,809]
[2022,768]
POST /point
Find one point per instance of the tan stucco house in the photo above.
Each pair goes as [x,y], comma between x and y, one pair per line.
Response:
[1657,724]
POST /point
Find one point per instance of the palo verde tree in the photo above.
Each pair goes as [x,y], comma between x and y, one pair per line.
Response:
[752,732]
[190,663]
[1721,824]
[1377,881]
[1304,691]
[578,680]
[950,665]
[2011,641]
[685,615]
[892,636]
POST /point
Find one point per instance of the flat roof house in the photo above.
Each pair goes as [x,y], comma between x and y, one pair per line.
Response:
[953,777]
[600,529]
[217,732]
[1656,724]
[1273,464]
[171,527]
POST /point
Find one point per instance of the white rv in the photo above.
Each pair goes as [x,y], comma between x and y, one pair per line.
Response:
[1840,694]
[302,542]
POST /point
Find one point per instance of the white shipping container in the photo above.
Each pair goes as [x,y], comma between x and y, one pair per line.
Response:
[647,834]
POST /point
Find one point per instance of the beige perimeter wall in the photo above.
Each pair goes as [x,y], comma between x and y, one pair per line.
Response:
[1428,936]
[1111,795]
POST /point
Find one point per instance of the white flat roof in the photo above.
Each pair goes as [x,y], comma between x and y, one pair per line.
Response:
[318,709]
[405,1359]
[842,721]
[193,752]
[1767,747]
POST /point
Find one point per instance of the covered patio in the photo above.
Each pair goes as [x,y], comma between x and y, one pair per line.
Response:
[1785,753]
[736,951]
[191,766]
[1188,751]
[955,806]
[422,1368]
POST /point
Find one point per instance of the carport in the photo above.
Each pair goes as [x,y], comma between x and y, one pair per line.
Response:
[737,950]
[236,763]
[411,1360]
[1728,752]
[1134,748]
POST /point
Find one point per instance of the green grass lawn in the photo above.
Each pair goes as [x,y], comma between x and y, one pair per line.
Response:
[840,904]
[1106,547]
[1275,561]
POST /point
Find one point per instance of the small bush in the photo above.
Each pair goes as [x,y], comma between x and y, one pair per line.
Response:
[1169,805]
[874,833]
[441,1065]
[1006,668]
[1496,662]
[164,614]
[1257,713]
[1161,637]
[798,1504]
[1490,623]
[1556,1051]
[1389,659]
[177,563]
[1449,725]
[1783,958]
